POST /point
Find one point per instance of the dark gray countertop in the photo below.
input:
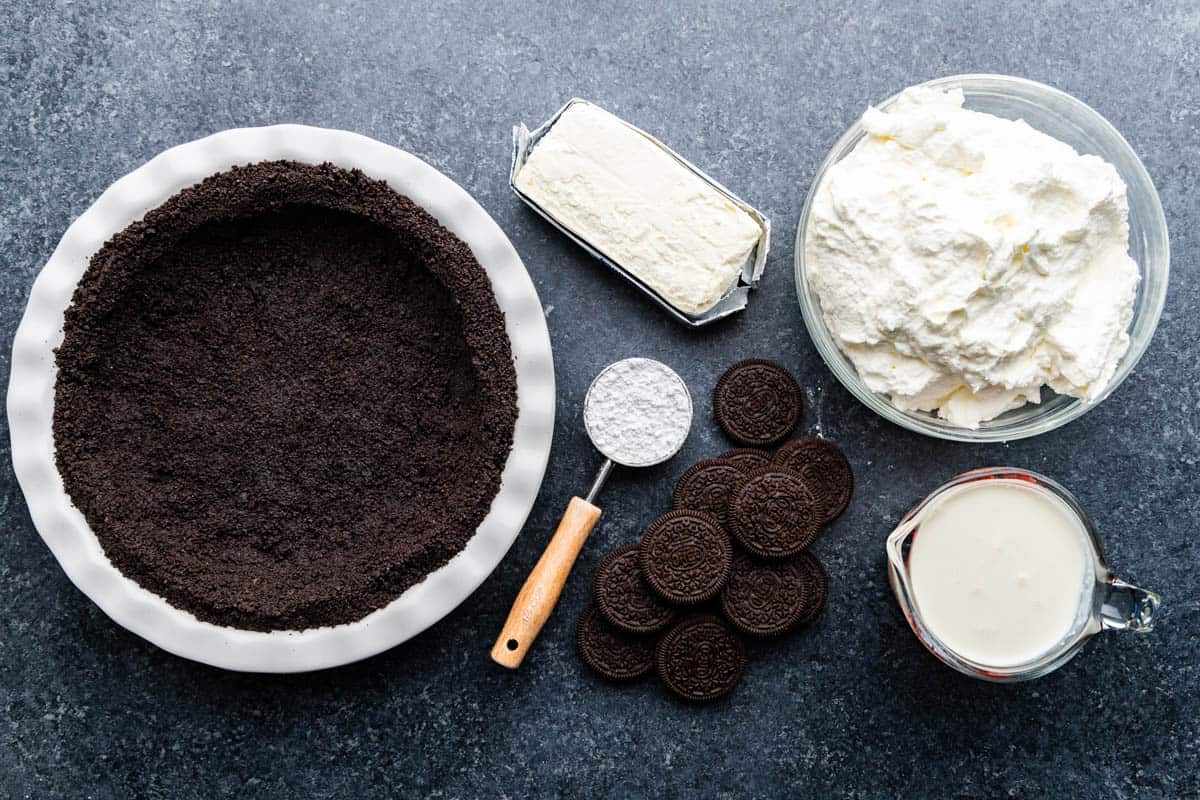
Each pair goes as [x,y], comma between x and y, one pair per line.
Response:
[756,94]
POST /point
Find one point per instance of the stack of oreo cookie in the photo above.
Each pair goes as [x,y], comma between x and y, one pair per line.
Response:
[731,558]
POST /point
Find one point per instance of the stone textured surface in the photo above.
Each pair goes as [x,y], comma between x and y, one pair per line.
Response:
[756,93]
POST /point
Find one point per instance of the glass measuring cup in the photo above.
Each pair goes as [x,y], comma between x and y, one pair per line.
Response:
[1106,603]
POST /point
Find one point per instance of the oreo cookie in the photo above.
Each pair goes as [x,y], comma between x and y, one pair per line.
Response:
[611,653]
[706,487]
[747,458]
[817,579]
[774,513]
[623,598]
[700,658]
[769,598]
[757,402]
[685,556]
[824,466]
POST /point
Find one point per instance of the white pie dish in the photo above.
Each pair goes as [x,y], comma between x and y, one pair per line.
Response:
[33,375]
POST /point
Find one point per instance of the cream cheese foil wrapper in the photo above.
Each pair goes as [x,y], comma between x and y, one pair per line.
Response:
[524,140]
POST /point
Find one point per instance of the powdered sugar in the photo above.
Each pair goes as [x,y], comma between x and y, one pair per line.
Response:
[638,412]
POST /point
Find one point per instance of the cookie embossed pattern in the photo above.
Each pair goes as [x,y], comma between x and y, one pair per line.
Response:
[759,582]
[757,403]
[706,486]
[610,652]
[623,596]
[769,598]
[700,659]
[686,556]
[774,513]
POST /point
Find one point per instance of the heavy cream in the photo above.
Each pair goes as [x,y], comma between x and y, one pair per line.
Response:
[642,209]
[963,261]
[998,570]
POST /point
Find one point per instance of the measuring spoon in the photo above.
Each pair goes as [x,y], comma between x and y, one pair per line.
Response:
[637,413]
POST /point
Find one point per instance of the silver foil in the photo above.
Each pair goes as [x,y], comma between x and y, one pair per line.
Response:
[524,140]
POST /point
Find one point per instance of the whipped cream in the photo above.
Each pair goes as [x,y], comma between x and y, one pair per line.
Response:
[964,261]
[630,199]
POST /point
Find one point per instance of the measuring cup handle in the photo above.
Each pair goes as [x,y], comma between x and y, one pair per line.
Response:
[543,586]
[1128,608]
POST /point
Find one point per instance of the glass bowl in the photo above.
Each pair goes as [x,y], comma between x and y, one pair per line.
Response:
[1074,122]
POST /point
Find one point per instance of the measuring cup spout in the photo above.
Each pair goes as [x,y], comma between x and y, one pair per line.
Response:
[1127,607]
[898,574]
[896,541]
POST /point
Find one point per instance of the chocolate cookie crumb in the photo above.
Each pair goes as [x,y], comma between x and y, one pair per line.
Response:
[284,396]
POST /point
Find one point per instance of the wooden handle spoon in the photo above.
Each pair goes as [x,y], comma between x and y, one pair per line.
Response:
[655,415]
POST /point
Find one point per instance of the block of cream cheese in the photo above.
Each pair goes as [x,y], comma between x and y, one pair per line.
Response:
[643,209]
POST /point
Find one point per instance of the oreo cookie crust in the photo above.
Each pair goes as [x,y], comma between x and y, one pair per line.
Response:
[685,556]
[611,653]
[747,458]
[284,396]
[769,598]
[757,402]
[706,487]
[774,513]
[700,658]
[824,466]
[623,597]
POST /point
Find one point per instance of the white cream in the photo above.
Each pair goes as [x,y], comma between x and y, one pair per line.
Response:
[998,570]
[632,201]
[963,261]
